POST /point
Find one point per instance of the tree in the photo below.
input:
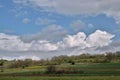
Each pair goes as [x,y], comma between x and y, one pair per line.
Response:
[51,69]
[118,54]
[110,56]
[1,65]
[71,62]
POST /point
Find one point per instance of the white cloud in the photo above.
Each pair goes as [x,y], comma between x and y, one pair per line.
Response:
[113,47]
[13,43]
[77,25]
[21,57]
[77,40]
[13,46]
[52,33]
[99,39]
[26,20]
[43,46]
[77,7]
[96,39]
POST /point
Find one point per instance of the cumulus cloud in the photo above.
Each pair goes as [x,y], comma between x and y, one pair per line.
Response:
[14,46]
[14,43]
[99,39]
[77,40]
[43,46]
[77,7]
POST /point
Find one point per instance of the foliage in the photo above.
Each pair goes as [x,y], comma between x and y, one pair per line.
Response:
[20,63]
[51,69]
[63,59]
[62,78]
[1,65]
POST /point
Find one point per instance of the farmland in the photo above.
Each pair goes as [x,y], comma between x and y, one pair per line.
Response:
[108,71]
[63,78]
[59,40]
[66,69]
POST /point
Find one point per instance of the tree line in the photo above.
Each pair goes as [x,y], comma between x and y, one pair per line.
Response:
[57,60]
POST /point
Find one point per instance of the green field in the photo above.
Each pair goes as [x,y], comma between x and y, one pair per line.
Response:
[98,69]
[63,78]
[92,71]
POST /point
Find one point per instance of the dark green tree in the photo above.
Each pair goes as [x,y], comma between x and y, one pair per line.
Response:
[1,65]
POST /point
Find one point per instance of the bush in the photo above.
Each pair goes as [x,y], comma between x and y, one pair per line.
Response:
[20,63]
[51,69]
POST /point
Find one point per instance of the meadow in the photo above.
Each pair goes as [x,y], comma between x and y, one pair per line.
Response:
[96,71]
[63,78]
[85,68]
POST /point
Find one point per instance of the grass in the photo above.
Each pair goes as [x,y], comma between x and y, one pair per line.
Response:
[92,71]
[36,67]
[96,68]
[63,78]
[88,69]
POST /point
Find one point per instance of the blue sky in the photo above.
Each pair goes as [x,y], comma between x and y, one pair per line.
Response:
[54,22]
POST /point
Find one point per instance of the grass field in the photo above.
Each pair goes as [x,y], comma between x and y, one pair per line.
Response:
[92,71]
[98,69]
[63,78]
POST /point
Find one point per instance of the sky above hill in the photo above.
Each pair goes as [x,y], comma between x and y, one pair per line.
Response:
[45,28]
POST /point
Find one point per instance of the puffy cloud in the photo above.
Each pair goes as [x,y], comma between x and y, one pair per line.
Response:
[99,39]
[77,25]
[26,20]
[14,47]
[43,46]
[77,7]
[77,40]
[14,43]
[96,39]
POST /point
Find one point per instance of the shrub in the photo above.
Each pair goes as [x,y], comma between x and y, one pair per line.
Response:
[51,69]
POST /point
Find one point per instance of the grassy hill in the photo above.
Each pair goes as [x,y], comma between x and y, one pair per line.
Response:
[82,67]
